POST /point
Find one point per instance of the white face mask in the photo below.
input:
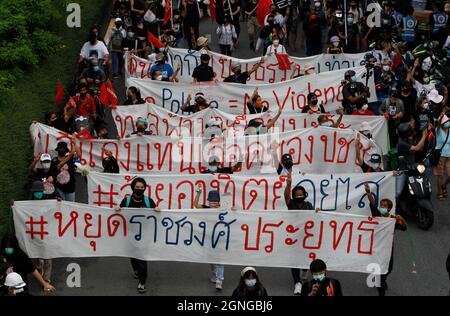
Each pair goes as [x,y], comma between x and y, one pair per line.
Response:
[336,44]
[276,42]
[386,68]
[213,168]
[46,165]
[365,107]
[160,78]
[250,283]
[425,105]
[327,124]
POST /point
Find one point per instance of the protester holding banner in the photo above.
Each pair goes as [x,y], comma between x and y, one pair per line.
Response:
[321,284]
[203,72]
[141,128]
[241,77]
[255,105]
[138,199]
[296,200]
[250,286]
[313,106]
[199,105]
[384,210]
[217,270]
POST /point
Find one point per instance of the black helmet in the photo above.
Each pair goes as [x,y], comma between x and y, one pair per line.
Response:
[349,74]
[404,130]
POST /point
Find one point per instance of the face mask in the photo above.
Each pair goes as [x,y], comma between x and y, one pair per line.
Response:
[327,124]
[9,251]
[250,283]
[425,105]
[367,134]
[118,25]
[138,192]
[426,80]
[314,102]
[383,211]
[46,165]
[365,107]
[386,68]
[38,195]
[213,168]
[299,200]
[270,22]
[354,78]
[141,128]
[446,125]
[276,42]
[274,11]
[62,153]
[258,104]
[96,68]
[288,164]
[160,78]
[350,20]
[386,22]
[83,94]
[130,34]
[335,44]
[319,277]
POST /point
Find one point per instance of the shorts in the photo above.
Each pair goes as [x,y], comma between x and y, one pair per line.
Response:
[442,167]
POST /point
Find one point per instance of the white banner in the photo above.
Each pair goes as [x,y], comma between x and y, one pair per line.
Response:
[51,229]
[268,72]
[314,150]
[232,98]
[163,122]
[333,192]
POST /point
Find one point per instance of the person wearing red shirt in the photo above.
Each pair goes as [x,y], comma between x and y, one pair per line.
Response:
[83,103]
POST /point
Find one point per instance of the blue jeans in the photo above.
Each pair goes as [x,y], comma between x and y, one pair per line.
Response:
[117,62]
[400,181]
[66,196]
[219,270]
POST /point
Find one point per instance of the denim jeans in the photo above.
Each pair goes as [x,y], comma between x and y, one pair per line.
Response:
[66,196]
[219,270]
[400,181]
[117,62]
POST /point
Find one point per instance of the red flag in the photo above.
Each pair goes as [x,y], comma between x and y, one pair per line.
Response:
[262,10]
[283,61]
[59,97]
[84,134]
[112,97]
[212,9]
[104,94]
[167,12]
[155,41]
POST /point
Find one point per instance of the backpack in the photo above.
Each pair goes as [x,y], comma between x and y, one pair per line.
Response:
[116,39]
[146,201]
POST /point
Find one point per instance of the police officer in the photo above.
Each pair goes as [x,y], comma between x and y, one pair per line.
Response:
[408,28]
[353,92]
[440,19]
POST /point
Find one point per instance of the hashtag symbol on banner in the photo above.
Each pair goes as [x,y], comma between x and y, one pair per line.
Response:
[31,226]
[109,200]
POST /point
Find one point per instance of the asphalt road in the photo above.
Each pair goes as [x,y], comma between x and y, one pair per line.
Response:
[419,256]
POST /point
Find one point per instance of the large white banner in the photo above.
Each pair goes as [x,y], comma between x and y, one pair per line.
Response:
[51,229]
[333,192]
[163,122]
[268,72]
[232,98]
[314,150]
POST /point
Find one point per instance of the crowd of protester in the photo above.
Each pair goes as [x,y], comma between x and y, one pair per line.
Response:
[406,58]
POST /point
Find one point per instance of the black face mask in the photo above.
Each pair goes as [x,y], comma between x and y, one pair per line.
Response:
[141,129]
[314,102]
[83,94]
[299,200]
[104,135]
[270,22]
[288,164]
[62,152]
[138,193]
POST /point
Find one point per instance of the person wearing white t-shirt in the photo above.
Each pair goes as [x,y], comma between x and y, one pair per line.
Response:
[94,46]
[276,47]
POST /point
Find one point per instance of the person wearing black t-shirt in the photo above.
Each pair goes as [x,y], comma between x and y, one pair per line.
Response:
[241,77]
[296,200]
[384,210]
[63,167]
[255,105]
[215,166]
[313,107]
[20,263]
[203,72]
[138,199]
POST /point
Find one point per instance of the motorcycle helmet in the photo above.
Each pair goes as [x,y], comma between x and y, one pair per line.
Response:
[420,51]
[405,130]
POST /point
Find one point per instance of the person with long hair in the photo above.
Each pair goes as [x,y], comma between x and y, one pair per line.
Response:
[250,287]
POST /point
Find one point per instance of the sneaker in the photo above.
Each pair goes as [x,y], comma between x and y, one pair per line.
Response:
[213,277]
[141,288]
[219,285]
[297,288]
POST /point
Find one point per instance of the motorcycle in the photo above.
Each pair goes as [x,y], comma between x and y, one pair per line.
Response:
[415,199]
